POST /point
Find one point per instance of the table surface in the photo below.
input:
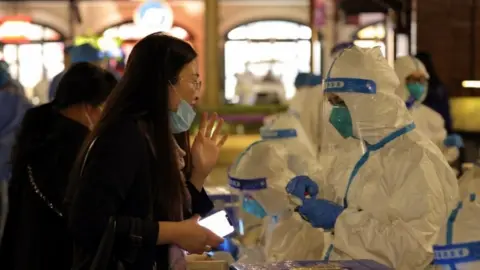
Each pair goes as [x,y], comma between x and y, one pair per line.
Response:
[314,265]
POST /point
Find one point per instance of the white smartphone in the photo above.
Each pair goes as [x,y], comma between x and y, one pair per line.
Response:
[219,223]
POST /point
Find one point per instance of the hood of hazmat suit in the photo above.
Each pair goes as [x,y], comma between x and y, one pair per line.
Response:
[427,121]
[459,241]
[286,131]
[306,104]
[308,107]
[399,193]
[259,178]
[302,85]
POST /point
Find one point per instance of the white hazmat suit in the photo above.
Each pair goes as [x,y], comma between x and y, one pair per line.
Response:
[337,152]
[399,193]
[428,121]
[458,247]
[306,104]
[260,176]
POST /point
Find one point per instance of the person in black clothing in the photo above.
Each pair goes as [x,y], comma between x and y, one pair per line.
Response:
[130,167]
[50,137]
[437,95]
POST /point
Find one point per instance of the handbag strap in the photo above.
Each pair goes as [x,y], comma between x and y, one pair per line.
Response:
[39,192]
[84,162]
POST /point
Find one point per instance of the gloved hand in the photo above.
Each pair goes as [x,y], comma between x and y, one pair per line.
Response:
[454,140]
[320,213]
[302,186]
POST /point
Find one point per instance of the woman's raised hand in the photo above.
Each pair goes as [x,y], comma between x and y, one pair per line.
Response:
[207,144]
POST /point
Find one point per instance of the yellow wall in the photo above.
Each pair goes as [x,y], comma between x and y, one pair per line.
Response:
[466,113]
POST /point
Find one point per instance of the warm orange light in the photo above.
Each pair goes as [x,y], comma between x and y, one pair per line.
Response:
[17,18]
[12,29]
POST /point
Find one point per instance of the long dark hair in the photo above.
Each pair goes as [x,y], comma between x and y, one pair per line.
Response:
[143,92]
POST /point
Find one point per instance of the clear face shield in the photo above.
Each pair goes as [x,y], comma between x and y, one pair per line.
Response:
[343,101]
[357,112]
[258,180]
[366,121]
[343,133]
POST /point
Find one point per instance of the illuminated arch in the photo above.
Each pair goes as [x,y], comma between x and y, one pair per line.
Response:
[18,31]
[34,52]
[259,47]
[120,30]
[240,32]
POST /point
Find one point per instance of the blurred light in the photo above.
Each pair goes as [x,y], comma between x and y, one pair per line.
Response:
[376,31]
[15,31]
[17,18]
[371,44]
[155,14]
[471,84]
[107,44]
[193,8]
[402,45]
[179,32]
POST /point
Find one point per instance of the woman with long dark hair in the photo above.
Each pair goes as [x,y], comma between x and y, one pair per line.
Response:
[129,173]
[36,234]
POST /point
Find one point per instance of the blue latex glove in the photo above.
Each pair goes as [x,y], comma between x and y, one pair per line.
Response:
[320,213]
[229,246]
[454,140]
[301,186]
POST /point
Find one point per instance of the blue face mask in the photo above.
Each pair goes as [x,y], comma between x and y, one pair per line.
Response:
[342,121]
[251,206]
[416,90]
[183,118]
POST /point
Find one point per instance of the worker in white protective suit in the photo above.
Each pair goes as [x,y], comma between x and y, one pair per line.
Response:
[391,207]
[302,85]
[413,90]
[305,105]
[459,242]
[260,177]
[309,106]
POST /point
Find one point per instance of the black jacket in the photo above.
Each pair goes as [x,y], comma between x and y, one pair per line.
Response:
[116,181]
[36,237]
